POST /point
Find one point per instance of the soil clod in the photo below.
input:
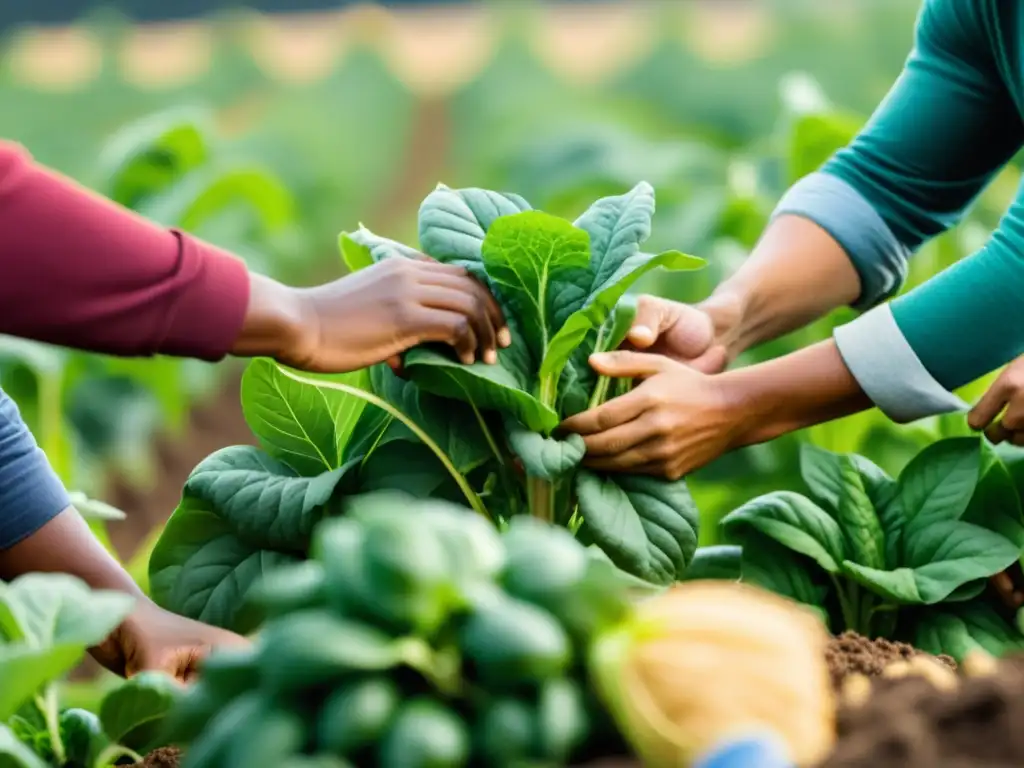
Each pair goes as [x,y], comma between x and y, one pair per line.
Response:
[853,654]
[165,757]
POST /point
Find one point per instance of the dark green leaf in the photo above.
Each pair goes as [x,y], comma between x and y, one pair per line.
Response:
[958,630]
[646,526]
[15,754]
[133,712]
[772,566]
[722,561]
[996,504]
[548,458]
[794,521]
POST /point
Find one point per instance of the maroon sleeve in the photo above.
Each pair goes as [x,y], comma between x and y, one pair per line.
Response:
[80,271]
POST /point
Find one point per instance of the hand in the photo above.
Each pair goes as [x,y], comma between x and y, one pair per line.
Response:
[677,420]
[1007,392]
[374,315]
[152,638]
[690,335]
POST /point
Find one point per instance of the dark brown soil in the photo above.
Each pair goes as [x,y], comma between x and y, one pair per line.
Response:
[165,757]
[850,653]
[909,723]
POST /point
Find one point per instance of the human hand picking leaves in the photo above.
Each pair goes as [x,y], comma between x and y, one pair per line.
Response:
[689,334]
[154,639]
[1006,397]
[372,316]
[676,420]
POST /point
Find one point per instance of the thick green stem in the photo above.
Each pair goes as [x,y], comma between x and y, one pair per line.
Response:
[50,708]
[471,496]
[113,753]
[541,498]
[851,617]
[600,392]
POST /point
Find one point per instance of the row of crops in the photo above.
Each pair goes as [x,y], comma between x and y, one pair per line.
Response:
[304,540]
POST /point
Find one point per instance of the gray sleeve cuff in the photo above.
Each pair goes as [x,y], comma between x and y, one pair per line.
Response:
[31,494]
[835,206]
[888,370]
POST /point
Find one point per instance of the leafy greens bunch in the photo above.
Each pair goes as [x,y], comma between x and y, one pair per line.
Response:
[47,622]
[907,559]
[479,434]
[416,635]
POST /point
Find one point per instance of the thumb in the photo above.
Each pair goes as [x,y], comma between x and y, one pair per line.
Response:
[628,364]
[649,322]
[989,406]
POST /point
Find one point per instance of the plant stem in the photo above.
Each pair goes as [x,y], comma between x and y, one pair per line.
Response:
[49,706]
[471,496]
[491,442]
[113,753]
[600,391]
[541,498]
[849,611]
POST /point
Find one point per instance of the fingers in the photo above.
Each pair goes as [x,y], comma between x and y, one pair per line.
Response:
[448,327]
[990,405]
[488,305]
[647,325]
[612,414]
[472,307]
[620,439]
[624,364]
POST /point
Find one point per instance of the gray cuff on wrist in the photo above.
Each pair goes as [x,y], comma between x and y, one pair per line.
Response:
[889,371]
[835,206]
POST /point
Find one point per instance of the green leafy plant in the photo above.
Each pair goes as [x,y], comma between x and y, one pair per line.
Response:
[482,434]
[907,558]
[47,622]
[415,635]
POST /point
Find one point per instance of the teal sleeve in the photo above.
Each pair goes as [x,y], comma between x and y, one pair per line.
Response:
[946,126]
[969,319]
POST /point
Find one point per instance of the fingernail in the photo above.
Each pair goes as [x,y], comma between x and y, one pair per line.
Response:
[490,357]
[505,337]
[468,359]
[641,333]
[599,357]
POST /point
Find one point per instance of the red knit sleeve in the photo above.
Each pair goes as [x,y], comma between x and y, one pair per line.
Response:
[80,271]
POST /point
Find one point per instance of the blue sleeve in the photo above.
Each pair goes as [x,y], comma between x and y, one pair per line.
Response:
[31,494]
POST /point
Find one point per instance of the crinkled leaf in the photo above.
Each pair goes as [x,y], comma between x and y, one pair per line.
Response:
[882,489]
[646,526]
[264,501]
[133,713]
[402,465]
[13,752]
[548,458]
[42,609]
[536,262]
[454,222]
[794,521]
[721,561]
[25,669]
[241,514]
[958,630]
[304,426]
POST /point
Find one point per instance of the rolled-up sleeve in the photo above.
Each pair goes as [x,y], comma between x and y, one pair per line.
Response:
[945,128]
[31,494]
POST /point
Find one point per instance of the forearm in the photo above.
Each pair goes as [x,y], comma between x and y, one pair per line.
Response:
[796,274]
[66,545]
[808,387]
[82,272]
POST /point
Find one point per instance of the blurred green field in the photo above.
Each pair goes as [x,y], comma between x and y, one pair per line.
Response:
[285,131]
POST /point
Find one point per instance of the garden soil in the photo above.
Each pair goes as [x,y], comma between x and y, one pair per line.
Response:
[909,723]
[165,757]
[850,653]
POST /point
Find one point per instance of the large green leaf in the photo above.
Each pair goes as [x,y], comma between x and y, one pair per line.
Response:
[548,458]
[721,561]
[772,566]
[646,526]
[794,521]
[132,714]
[242,512]
[305,427]
[25,669]
[539,264]
[996,504]
[937,485]
[43,609]
[454,222]
[836,484]
[938,561]
[964,628]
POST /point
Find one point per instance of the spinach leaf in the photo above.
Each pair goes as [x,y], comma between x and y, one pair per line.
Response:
[913,549]
[958,630]
[132,714]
